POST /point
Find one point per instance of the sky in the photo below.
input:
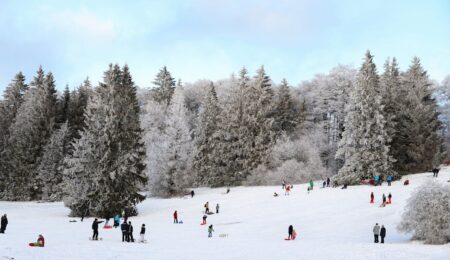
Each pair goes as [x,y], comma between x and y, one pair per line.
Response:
[200,39]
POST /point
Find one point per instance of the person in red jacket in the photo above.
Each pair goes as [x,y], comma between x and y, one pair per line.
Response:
[40,242]
[372,197]
[389,198]
[175,217]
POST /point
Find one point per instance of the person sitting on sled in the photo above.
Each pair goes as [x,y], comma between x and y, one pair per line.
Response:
[40,242]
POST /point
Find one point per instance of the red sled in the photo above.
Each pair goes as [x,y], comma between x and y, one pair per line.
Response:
[107,227]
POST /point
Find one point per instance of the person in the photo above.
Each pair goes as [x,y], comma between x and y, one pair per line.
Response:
[204,220]
[95,229]
[406,182]
[376,232]
[283,185]
[124,228]
[294,234]
[376,179]
[217,208]
[275,194]
[4,223]
[192,193]
[175,217]
[328,182]
[210,230]
[106,222]
[435,172]
[142,234]
[389,179]
[130,232]
[308,189]
[288,189]
[207,207]
[344,187]
[372,197]
[290,232]
[123,213]
[40,242]
[116,220]
[382,233]
[384,201]
[228,190]
[311,184]
[389,198]
[324,184]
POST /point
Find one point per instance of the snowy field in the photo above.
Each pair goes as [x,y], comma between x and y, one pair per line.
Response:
[331,224]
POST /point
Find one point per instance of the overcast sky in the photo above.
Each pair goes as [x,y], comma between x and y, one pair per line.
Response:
[211,39]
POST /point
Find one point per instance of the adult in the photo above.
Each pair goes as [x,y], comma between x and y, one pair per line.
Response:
[207,207]
[217,208]
[382,233]
[389,179]
[328,182]
[4,223]
[311,184]
[210,230]
[290,232]
[175,217]
[283,184]
[142,234]
[376,232]
[130,232]
[124,228]
[192,193]
[372,197]
[95,229]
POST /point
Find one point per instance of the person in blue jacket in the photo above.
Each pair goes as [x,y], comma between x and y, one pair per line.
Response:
[389,179]
[116,220]
[376,179]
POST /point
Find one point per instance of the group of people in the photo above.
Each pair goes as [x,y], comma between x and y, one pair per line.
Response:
[127,232]
[326,183]
[383,199]
[4,223]
[379,232]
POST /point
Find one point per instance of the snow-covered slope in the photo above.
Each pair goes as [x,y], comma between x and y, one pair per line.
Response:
[331,224]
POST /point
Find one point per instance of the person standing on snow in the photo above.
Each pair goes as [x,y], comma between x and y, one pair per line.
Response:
[217,208]
[288,189]
[116,220]
[283,184]
[207,207]
[328,182]
[384,201]
[389,179]
[4,223]
[124,228]
[175,217]
[372,197]
[389,198]
[382,233]
[130,232]
[95,229]
[311,184]
[210,230]
[376,232]
[204,220]
[192,193]
[290,232]
[142,234]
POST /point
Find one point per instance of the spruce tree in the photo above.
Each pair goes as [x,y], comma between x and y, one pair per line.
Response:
[77,105]
[105,171]
[206,140]
[286,115]
[364,145]
[165,86]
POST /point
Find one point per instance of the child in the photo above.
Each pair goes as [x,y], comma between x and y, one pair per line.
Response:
[389,198]
[175,217]
[204,220]
[142,234]
[40,242]
[288,189]
[217,208]
[384,201]
[275,194]
[210,230]
[372,197]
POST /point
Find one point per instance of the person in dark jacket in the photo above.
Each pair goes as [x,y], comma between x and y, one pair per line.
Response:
[142,233]
[4,223]
[290,231]
[124,228]
[328,182]
[382,233]
[130,232]
[95,229]
[217,208]
[192,193]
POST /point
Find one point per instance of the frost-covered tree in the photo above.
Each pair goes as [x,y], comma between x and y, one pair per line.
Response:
[77,105]
[427,214]
[420,123]
[442,95]
[107,164]
[12,100]
[365,142]
[206,140]
[176,174]
[62,106]
[286,114]
[165,86]
[50,170]
[29,133]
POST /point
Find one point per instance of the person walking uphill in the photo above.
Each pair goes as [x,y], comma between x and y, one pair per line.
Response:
[372,197]
[376,232]
[4,223]
[290,232]
[382,233]
[95,229]
[124,228]
[175,217]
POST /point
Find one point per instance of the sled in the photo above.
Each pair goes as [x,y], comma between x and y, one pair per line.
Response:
[107,227]
[223,235]
[99,239]
[180,222]
[73,220]
[287,239]
[202,224]
[210,213]
[34,245]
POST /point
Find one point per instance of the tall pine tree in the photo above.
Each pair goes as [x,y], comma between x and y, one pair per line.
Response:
[165,86]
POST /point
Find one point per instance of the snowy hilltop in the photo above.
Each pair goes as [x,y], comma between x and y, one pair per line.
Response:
[331,223]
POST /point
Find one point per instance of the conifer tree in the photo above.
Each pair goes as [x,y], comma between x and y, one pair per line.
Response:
[206,140]
[165,86]
[365,141]
[286,115]
[105,171]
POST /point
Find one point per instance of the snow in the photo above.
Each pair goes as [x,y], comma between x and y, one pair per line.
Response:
[330,223]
